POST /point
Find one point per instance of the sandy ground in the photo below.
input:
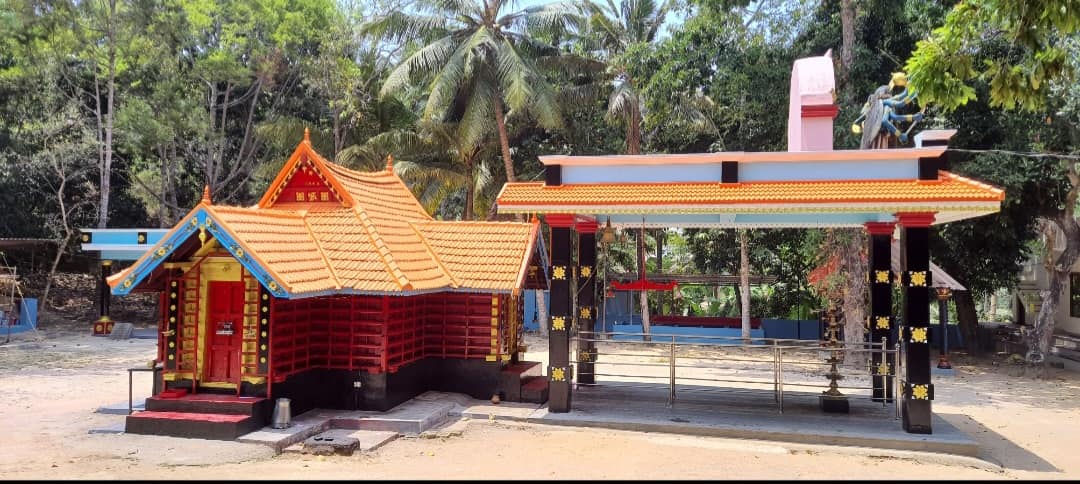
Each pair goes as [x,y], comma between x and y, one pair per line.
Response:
[51,383]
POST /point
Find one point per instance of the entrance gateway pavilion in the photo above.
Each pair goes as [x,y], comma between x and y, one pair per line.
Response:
[884,191]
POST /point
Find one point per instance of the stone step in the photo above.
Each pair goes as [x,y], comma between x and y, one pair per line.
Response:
[534,389]
[214,426]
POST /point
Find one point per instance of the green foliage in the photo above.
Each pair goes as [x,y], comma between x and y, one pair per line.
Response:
[944,64]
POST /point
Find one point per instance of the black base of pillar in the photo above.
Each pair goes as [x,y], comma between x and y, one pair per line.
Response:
[831,404]
[585,373]
[559,397]
[916,416]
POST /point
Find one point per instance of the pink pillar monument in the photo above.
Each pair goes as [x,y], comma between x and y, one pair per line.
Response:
[812,104]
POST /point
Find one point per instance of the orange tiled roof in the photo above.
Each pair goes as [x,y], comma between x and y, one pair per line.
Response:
[373,236]
[948,188]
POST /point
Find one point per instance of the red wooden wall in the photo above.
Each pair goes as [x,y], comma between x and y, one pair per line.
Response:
[382,333]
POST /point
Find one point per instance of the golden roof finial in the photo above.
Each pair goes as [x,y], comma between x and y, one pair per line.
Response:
[389,162]
[307,135]
[206,195]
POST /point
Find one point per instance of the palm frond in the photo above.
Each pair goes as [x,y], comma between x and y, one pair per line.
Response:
[427,60]
[401,26]
[624,102]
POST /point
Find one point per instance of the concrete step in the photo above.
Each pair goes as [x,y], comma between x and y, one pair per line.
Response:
[534,389]
[214,426]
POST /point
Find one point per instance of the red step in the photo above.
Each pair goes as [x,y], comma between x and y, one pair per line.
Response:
[512,375]
[534,389]
[216,426]
[210,403]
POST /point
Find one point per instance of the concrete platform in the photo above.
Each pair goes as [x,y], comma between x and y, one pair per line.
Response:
[753,416]
[410,418]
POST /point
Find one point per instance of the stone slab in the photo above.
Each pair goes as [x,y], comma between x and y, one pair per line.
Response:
[116,428]
[121,408]
[330,442]
[465,406]
[303,426]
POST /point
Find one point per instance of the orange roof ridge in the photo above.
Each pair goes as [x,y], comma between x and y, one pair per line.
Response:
[438,260]
[529,248]
[383,250]
[322,252]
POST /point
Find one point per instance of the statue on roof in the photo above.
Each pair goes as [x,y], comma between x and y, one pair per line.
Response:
[882,110]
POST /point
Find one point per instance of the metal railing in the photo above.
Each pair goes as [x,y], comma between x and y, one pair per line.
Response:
[131,397]
[779,354]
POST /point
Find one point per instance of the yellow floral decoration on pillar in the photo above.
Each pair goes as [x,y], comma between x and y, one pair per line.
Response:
[584,355]
[558,323]
[920,392]
[585,313]
[882,322]
[881,277]
[558,272]
[558,374]
[883,369]
[918,335]
[918,278]
[586,271]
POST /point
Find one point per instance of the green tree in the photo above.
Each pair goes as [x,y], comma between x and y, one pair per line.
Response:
[1024,52]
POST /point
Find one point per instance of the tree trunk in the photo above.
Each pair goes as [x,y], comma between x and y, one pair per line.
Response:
[856,292]
[541,312]
[991,312]
[744,283]
[660,235]
[504,140]
[847,46]
[968,318]
[106,173]
[470,189]
[1042,333]
[52,269]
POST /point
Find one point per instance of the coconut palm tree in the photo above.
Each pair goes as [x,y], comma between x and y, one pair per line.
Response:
[437,161]
[478,60]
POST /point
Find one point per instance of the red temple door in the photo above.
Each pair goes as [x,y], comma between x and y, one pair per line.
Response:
[224,318]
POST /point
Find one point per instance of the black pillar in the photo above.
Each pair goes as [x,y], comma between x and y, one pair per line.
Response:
[104,295]
[586,297]
[918,391]
[881,320]
[560,315]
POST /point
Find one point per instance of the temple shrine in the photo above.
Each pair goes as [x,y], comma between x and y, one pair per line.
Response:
[337,290]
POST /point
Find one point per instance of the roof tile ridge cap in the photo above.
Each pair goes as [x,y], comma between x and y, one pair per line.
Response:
[210,210]
[454,282]
[971,181]
[384,252]
[322,252]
